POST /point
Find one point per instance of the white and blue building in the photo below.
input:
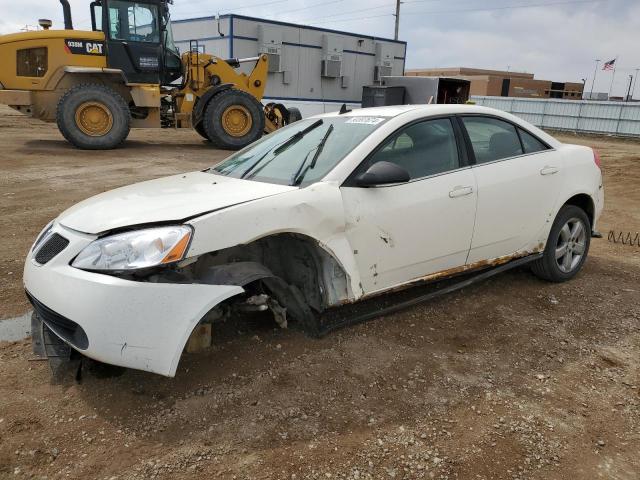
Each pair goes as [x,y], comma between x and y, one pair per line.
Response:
[314,69]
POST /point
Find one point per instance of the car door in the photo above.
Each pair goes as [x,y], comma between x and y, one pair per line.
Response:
[518,179]
[403,232]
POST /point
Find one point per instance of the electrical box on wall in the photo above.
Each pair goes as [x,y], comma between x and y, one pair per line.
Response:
[270,42]
[331,56]
[384,61]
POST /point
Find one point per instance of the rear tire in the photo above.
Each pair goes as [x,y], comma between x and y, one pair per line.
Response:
[233,119]
[93,117]
[199,127]
[567,246]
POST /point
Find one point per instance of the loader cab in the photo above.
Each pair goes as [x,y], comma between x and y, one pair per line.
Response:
[138,39]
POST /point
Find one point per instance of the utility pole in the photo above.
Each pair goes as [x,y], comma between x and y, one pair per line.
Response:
[397,15]
[595,72]
[635,81]
[629,89]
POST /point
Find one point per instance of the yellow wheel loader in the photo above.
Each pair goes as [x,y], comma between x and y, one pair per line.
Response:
[127,73]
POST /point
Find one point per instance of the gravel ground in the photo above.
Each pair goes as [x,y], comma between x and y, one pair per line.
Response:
[513,378]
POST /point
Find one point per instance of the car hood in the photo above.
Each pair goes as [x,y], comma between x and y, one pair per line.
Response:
[165,199]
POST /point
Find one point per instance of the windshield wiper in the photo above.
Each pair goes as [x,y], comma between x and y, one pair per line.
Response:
[255,164]
[279,149]
[299,176]
[297,136]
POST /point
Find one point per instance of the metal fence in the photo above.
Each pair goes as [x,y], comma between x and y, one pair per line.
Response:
[612,118]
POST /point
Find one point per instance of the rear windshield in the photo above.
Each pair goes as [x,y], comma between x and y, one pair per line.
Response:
[301,153]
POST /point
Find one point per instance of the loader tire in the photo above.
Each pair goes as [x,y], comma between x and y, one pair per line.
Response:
[93,117]
[294,115]
[233,119]
[199,127]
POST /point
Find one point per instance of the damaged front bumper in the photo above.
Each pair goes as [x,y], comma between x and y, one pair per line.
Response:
[139,325]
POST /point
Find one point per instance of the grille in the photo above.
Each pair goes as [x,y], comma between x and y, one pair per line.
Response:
[64,328]
[331,68]
[52,247]
[381,71]
[274,62]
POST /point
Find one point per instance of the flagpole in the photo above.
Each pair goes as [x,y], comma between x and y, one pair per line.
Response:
[615,65]
[595,72]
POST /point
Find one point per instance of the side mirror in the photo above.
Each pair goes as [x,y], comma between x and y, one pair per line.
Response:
[383,173]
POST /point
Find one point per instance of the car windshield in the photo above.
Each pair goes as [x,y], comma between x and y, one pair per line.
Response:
[301,153]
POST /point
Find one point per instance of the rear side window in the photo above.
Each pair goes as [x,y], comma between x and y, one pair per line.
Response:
[492,139]
[530,143]
[423,149]
[31,62]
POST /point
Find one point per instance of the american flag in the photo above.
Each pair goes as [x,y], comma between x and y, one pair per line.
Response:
[609,65]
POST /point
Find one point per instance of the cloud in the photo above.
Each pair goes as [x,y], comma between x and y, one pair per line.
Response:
[555,42]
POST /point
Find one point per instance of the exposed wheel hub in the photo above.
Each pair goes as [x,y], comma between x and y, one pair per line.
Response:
[571,245]
[236,120]
[94,119]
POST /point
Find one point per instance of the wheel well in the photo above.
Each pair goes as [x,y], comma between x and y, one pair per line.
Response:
[294,259]
[111,80]
[584,202]
[297,259]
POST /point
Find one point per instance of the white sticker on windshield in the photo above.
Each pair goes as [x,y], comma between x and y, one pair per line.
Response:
[365,120]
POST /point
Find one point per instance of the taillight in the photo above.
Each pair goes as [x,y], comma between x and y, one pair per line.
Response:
[596,158]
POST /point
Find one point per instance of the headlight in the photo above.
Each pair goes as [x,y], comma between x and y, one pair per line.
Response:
[136,249]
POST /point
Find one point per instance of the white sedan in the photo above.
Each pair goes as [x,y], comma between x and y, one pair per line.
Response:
[330,210]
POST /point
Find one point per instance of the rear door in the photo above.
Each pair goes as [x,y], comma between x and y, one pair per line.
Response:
[403,232]
[132,30]
[519,179]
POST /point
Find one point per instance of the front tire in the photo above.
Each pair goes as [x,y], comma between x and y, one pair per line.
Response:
[233,119]
[567,246]
[93,117]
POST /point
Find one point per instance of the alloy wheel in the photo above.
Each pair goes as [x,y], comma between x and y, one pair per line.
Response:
[571,245]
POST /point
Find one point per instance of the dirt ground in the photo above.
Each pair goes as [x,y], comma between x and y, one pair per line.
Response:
[513,378]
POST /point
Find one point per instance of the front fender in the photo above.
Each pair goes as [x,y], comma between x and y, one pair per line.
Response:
[316,212]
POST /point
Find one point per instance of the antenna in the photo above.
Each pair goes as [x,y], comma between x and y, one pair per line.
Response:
[45,23]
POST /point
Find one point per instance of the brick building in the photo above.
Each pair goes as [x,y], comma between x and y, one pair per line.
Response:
[498,83]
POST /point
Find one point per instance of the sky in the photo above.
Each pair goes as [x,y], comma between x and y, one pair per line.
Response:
[556,40]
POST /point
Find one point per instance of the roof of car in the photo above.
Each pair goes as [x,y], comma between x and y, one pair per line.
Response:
[395,110]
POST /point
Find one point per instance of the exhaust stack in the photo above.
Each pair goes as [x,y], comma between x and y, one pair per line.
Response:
[66,11]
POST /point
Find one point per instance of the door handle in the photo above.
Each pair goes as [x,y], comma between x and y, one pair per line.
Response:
[460,192]
[549,170]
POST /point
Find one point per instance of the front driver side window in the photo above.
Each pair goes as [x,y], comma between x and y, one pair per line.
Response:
[422,149]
